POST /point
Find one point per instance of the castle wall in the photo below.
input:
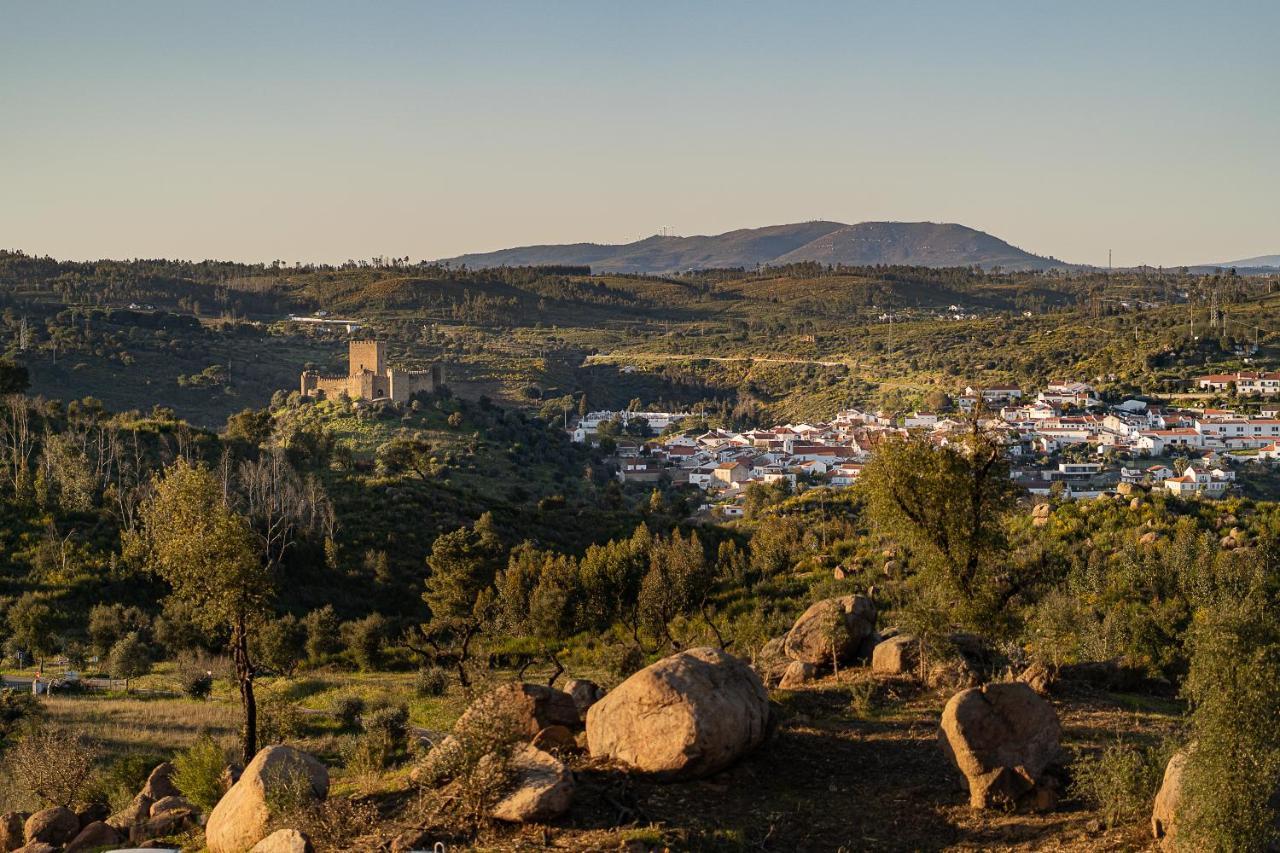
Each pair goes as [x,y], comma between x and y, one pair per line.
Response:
[324,387]
[406,383]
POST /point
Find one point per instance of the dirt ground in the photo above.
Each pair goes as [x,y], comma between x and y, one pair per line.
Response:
[842,772]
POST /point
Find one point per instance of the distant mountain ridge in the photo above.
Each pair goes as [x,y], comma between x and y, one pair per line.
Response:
[927,244]
[1260,262]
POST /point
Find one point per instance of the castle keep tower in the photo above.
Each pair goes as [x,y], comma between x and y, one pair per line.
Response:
[369,378]
[368,355]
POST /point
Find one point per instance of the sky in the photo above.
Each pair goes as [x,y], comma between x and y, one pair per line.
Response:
[324,131]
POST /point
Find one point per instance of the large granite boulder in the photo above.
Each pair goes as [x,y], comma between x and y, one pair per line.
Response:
[94,835]
[1002,737]
[54,826]
[831,630]
[241,817]
[686,716]
[159,783]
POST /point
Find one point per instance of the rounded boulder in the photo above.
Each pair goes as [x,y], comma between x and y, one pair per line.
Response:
[241,817]
[1001,737]
[831,629]
[686,716]
[54,826]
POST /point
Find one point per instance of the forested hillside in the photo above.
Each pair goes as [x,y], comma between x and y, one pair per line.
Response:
[792,341]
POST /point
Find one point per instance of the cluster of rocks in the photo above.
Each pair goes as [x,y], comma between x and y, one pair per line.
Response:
[157,811]
[686,716]
[832,632]
[238,823]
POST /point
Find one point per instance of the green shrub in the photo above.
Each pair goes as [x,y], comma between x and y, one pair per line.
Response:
[195,676]
[431,681]
[198,772]
[120,779]
[364,638]
[1233,770]
[16,708]
[1120,781]
[279,720]
[324,635]
[386,735]
[348,710]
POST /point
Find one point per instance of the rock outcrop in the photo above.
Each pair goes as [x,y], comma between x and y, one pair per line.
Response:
[241,817]
[1164,821]
[12,834]
[542,790]
[686,716]
[94,835]
[54,826]
[798,674]
[771,662]
[833,629]
[160,783]
[284,841]
[898,655]
[584,693]
[1001,737]
[530,708]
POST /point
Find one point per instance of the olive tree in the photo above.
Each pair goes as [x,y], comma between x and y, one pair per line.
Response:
[207,553]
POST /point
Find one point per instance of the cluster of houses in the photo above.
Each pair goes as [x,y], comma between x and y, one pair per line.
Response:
[1093,446]
[1246,383]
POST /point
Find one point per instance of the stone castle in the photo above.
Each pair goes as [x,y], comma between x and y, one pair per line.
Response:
[369,378]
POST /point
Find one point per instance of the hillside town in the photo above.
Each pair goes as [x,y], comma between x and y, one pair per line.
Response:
[1065,441]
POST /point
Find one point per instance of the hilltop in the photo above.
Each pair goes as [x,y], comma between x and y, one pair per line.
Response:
[926,244]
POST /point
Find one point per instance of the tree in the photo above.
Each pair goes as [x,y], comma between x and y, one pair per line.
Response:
[678,581]
[464,564]
[14,378]
[129,657]
[208,554]
[324,635]
[364,638]
[281,644]
[406,453]
[251,427]
[110,623]
[1232,690]
[33,624]
[947,505]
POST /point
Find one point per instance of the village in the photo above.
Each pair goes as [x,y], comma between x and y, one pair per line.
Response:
[1065,441]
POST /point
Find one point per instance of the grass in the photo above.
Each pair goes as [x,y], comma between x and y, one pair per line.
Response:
[124,724]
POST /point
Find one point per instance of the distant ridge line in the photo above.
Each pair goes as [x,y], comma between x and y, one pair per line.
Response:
[927,244]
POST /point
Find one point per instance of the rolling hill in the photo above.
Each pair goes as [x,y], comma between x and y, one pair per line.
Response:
[868,243]
[1260,262]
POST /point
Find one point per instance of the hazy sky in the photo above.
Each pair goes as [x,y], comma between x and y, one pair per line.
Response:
[327,131]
